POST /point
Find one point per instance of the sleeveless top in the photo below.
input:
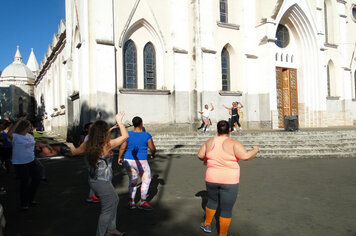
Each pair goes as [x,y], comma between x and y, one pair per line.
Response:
[222,166]
[103,170]
[234,112]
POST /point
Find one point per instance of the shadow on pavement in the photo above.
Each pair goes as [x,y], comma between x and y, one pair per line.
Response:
[62,209]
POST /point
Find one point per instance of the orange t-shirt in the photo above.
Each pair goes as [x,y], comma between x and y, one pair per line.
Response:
[222,166]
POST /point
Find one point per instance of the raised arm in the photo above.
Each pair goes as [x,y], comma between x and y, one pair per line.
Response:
[122,150]
[152,147]
[13,127]
[241,152]
[212,107]
[76,151]
[229,108]
[124,134]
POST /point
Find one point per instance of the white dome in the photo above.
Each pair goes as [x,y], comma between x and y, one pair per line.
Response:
[17,69]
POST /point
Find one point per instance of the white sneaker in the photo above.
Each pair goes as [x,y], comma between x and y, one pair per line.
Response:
[240,129]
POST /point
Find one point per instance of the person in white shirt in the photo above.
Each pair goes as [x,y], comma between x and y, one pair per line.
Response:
[23,160]
[205,114]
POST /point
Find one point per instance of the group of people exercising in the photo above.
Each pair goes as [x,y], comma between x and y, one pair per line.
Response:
[234,112]
[220,154]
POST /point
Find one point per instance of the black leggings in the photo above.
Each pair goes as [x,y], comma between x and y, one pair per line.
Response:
[224,195]
[235,119]
[29,180]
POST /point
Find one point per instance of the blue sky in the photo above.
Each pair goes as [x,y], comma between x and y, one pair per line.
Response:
[29,24]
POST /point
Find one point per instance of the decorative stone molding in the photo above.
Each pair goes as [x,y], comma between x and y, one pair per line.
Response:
[228,25]
[230,93]
[206,50]
[346,68]
[265,40]
[330,45]
[251,56]
[105,42]
[62,111]
[74,96]
[343,16]
[319,9]
[178,50]
[332,97]
[354,99]
[145,91]
[341,1]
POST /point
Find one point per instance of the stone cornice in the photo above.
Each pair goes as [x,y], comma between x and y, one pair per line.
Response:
[74,96]
[230,93]
[179,50]
[105,42]
[206,50]
[332,97]
[145,91]
[330,45]
[228,25]
[251,56]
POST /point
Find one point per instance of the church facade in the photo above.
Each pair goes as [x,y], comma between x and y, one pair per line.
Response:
[164,60]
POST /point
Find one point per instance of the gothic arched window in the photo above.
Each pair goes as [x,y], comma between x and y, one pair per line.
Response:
[223,11]
[331,80]
[20,106]
[130,65]
[149,57]
[225,70]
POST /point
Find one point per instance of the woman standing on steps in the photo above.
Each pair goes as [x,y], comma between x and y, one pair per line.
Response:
[222,178]
[98,150]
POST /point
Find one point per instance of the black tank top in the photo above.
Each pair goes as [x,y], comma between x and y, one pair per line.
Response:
[234,112]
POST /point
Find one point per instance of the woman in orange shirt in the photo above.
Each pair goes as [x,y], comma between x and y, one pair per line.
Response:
[221,155]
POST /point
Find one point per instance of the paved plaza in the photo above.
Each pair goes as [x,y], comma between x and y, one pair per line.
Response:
[276,197]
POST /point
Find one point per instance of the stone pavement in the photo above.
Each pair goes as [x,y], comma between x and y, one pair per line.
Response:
[276,197]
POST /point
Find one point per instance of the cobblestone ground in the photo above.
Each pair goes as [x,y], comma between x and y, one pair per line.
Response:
[276,197]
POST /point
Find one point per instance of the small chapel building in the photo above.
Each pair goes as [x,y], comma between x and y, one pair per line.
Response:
[17,87]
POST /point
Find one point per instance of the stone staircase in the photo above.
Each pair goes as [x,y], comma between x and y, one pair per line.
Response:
[272,144]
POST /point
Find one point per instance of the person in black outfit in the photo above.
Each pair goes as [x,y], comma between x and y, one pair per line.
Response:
[234,111]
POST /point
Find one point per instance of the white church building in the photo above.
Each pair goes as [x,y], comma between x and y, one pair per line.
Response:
[164,60]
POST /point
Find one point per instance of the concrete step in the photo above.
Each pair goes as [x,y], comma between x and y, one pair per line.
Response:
[315,144]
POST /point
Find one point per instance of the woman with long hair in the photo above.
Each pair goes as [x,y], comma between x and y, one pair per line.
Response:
[98,151]
[222,177]
[23,160]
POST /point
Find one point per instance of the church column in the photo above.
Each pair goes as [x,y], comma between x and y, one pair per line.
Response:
[183,93]
[252,112]
[207,83]
[102,63]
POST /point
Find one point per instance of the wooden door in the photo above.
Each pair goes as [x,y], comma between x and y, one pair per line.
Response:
[287,94]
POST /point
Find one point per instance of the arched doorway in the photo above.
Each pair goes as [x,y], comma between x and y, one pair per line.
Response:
[297,79]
